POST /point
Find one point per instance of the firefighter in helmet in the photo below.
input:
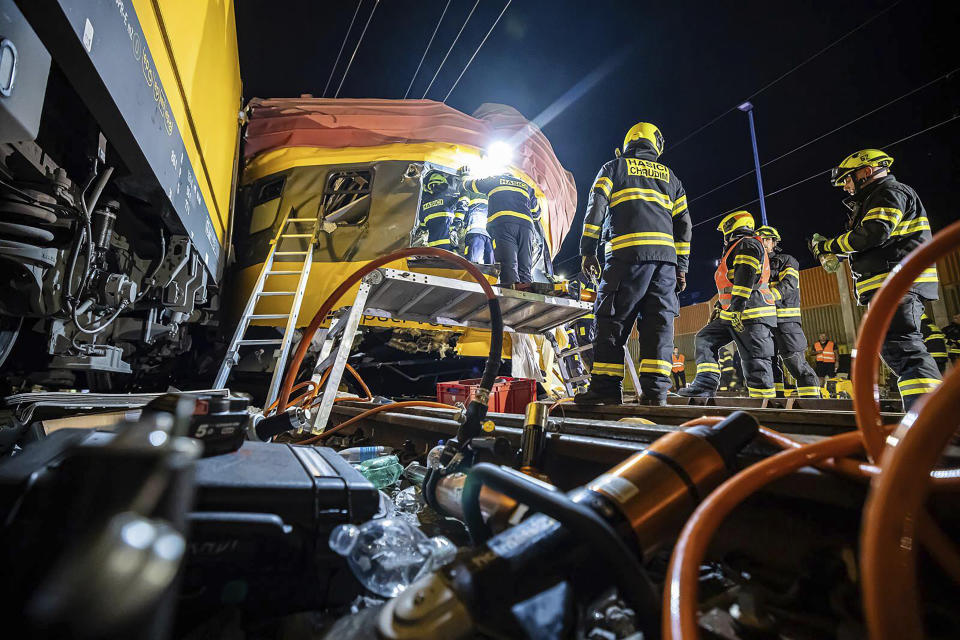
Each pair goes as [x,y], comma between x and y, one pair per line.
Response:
[886,222]
[746,312]
[788,339]
[641,204]
[439,213]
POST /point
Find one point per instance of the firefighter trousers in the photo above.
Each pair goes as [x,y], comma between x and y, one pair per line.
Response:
[789,345]
[513,249]
[905,353]
[438,234]
[478,248]
[755,344]
[645,293]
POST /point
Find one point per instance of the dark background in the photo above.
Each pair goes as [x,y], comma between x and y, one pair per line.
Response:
[587,71]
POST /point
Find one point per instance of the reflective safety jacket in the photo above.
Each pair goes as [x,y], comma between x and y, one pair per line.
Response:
[888,221]
[509,199]
[826,352]
[749,290]
[785,287]
[678,365]
[952,331]
[437,211]
[933,338]
[475,218]
[643,204]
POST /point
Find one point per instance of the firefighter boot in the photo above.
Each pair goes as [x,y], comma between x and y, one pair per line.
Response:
[703,386]
[603,390]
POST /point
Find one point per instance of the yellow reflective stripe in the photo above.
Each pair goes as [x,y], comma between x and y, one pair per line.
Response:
[743,292]
[607,369]
[641,238]
[776,293]
[843,242]
[759,312]
[509,188]
[679,205]
[707,367]
[788,312]
[591,230]
[648,365]
[650,195]
[514,214]
[808,392]
[436,243]
[911,226]
[871,283]
[789,271]
[891,215]
[778,386]
[937,354]
[476,201]
[928,275]
[682,248]
[761,392]
[442,214]
[750,261]
[914,386]
[936,336]
[605,185]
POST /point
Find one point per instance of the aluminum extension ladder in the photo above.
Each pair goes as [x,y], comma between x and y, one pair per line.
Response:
[571,383]
[289,241]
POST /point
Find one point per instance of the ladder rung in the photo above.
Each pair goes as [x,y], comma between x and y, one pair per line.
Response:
[283,273]
[269,316]
[254,342]
[290,253]
[570,352]
[277,293]
[297,235]
[578,378]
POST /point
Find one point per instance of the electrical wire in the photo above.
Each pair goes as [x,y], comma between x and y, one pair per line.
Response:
[828,133]
[377,409]
[424,56]
[342,46]
[785,74]
[495,22]
[452,45]
[376,4]
[826,171]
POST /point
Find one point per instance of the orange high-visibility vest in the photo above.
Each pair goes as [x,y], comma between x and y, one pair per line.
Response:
[725,285]
[825,353]
[678,363]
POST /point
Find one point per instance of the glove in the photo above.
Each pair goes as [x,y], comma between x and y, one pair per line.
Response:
[681,281]
[734,319]
[715,312]
[590,266]
[817,244]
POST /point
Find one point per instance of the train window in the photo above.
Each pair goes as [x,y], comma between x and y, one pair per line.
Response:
[266,204]
[346,197]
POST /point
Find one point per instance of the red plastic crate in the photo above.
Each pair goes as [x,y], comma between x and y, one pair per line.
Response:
[509,395]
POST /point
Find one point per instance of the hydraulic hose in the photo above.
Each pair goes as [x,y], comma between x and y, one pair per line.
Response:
[375,410]
[478,407]
[873,329]
[680,595]
[894,516]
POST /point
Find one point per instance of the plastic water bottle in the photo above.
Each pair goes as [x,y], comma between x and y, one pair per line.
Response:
[389,555]
[433,458]
[359,454]
[382,471]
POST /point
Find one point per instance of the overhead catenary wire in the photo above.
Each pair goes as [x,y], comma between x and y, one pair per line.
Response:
[826,171]
[424,56]
[828,133]
[786,73]
[467,66]
[452,45]
[376,3]
[342,46]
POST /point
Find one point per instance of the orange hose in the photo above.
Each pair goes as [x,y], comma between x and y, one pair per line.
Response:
[873,330]
[374,410]
[299,399]
[680,596]
[557,404]
[356,376]
[352,279]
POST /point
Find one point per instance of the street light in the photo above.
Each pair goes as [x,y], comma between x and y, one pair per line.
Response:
[747,107]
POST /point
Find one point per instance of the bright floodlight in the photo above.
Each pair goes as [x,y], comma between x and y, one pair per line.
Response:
[500,153]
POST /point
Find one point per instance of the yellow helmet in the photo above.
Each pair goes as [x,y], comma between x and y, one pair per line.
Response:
[766,231]
[646,131]
[436,182]
[858,160]
[736,220]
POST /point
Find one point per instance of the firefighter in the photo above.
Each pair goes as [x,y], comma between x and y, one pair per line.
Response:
[826,357]
[440,216]
[678,372]
[642,205]
[729,379]
[477,245]
[952,332]
[887,222]
[512,211]
[788,340]
[745,313]
[935,341]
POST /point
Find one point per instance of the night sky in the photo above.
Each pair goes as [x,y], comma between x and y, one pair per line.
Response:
[605,65]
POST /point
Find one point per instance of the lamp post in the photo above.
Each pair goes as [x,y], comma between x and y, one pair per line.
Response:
[747,107]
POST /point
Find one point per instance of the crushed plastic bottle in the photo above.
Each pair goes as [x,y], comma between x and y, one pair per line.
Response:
[359,454]
[382,472]
[388,555]
[407,501]
[433,458]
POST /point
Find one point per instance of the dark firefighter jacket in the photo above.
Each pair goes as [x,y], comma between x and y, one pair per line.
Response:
[888,221]
[934,339]
[747,260]
[785,286]
[475,218]
[439,208]
[645,207]
[509,199]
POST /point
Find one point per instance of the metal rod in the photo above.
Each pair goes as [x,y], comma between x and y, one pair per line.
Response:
[756,164]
